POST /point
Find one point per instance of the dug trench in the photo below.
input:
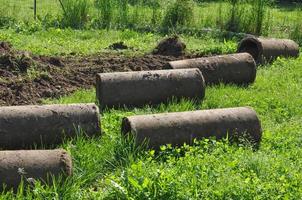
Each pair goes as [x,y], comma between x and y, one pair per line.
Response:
[28,79]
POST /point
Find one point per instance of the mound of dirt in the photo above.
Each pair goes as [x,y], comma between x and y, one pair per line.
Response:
[52,80]
[57,76]
[12,60]
[171,46]
[15,63]
[5,47]
[118,46]
[55,61]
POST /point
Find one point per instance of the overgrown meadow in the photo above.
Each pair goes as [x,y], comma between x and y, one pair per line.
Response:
[259,17]
[111,167]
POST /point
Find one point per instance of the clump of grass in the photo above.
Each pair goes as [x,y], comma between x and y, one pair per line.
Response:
[179,13]
[75,13]
[155,6]
[5,20]
[106,8]
[234,17]
[256,16]
[247,16]
[123,11]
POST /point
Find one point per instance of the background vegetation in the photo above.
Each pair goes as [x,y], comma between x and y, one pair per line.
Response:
[109,167]
[260,17]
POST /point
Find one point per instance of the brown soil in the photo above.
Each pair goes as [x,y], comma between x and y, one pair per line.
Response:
[12,60]
[118,46]
[27,79]
[171,46]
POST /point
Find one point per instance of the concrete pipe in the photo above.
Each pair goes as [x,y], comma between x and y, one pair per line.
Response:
[234,68]
[22,127]
[267,49]
[183,127]
[32,165]
[148,87]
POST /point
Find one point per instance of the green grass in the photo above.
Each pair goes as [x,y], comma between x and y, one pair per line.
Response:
[86,42]
[109,167]
[279,21]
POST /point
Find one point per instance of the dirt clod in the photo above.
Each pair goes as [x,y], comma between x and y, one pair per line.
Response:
[118,46]
[56,61]
[13,60]
[171,46]
[5,46]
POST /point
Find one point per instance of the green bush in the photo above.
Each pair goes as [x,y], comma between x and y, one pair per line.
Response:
[75,13]
[178,14]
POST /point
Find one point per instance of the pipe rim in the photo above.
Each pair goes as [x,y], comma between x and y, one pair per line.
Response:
[244,45]
[65,162]
[126,126]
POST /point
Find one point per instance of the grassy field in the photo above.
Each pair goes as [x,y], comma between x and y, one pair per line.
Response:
[111,167]
[278,20]
[86,42]
[108,167]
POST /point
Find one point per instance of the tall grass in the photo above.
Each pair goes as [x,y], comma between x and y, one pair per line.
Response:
[234,16]
[106,8]
[5,20]
[123,12]
[247,16]
[155,6]
[179,13]
[296,33]
[259,7]
[75,13]
[133,19]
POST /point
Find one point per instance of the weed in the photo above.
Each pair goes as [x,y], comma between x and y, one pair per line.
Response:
[105,8]
[246,16]
[178,14]
[123,11]
[75,13]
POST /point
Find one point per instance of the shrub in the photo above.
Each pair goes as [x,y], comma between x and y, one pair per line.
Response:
[75,13]
[178,14]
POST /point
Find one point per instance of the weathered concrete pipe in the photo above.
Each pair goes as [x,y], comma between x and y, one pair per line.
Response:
[183,127]
[32,165]
[148,87]
[267,49]
[234,68]
[22,127]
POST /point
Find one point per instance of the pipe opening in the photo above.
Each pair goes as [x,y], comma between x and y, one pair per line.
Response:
[250,46]
[66,163]
[126,126]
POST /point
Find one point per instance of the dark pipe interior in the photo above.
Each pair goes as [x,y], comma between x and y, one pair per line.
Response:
[250,47]
[126,127]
